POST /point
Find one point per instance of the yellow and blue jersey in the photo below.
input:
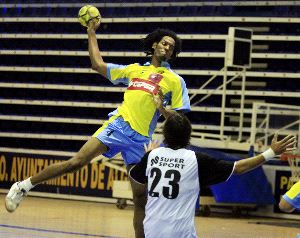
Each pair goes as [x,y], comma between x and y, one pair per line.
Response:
[138,108]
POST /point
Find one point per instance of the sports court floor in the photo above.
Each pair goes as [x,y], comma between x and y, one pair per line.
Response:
[56,218]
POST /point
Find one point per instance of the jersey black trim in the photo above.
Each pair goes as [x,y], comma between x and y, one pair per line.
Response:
[213,171]
[138,171]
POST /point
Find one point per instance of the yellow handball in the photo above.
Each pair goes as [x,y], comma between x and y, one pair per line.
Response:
[87,13]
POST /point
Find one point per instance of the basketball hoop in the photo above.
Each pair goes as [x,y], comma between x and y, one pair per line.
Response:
[294,163]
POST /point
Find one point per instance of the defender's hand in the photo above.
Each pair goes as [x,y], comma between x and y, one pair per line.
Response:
[286,144]
[158,99]
[152,145]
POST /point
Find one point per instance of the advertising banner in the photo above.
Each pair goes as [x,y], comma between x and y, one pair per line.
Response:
[94,180]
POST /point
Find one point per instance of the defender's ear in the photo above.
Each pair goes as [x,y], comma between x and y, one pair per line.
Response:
[154,45]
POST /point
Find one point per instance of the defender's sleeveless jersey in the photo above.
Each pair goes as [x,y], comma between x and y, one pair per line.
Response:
[138,108]
[173,188]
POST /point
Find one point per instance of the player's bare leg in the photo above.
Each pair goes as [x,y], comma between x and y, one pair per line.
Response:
[139,200]
[92,148]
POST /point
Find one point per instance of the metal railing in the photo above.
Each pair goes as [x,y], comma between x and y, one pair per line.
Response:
[287,120]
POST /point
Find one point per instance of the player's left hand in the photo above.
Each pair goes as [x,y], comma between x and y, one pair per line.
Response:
[288,143]
[152,145]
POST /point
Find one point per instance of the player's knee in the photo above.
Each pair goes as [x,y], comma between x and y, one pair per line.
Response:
[285,206]
[75,164]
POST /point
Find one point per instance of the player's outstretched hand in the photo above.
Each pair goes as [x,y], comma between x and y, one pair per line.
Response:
[288,143]
[152,145]
[94,24]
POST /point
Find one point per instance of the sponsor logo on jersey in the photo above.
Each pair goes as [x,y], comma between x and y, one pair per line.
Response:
[154,160]
[144,85]
[168,162]
[155,78]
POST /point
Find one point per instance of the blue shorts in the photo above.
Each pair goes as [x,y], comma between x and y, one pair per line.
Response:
[118,136]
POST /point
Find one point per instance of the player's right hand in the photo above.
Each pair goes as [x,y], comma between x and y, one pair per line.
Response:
[94,24]
[288,143]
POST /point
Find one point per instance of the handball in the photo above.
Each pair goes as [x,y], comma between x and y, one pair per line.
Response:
[88,13]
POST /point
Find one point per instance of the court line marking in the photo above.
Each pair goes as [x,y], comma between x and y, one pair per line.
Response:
[56,231]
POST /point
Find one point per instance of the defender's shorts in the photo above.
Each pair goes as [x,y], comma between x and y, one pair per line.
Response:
[118,136]
[293,196]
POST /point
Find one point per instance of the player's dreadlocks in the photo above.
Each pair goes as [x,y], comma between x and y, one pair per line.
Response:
[177,131]
[156,36]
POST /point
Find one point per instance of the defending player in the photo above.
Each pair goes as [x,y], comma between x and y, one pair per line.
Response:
[174,175]
[291,199]
[132,124]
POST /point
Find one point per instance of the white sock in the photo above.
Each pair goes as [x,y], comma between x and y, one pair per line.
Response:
[26,184]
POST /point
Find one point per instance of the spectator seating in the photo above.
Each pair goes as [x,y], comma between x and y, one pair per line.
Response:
[47,86]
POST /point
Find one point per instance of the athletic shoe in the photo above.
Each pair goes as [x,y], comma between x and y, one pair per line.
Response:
[14,197]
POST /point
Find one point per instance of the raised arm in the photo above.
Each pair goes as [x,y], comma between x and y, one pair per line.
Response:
[95,56]
[277,148]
